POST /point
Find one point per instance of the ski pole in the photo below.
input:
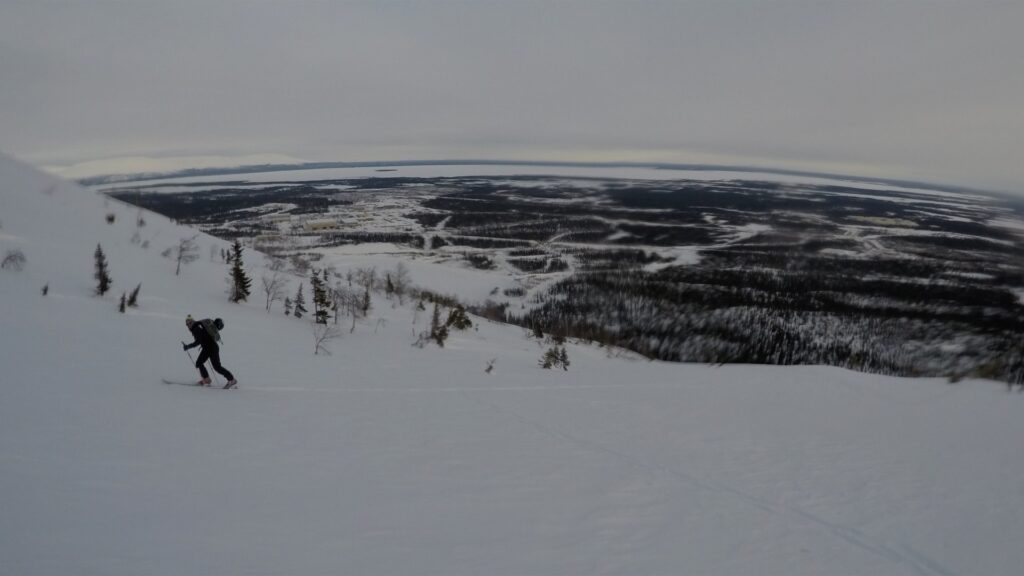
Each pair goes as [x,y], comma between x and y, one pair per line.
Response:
[192,360]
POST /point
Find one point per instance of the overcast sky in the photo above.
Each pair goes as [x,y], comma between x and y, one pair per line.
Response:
[915,88]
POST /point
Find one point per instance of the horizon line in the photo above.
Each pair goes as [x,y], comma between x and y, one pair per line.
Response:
[115,178]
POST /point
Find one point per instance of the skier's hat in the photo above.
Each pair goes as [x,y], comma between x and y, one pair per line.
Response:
[189,320]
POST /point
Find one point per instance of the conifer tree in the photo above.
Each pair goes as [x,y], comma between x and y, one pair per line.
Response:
[287,306]
[133,298]
[240,282]
[102,274]
[550,358]
[120,307]
[320,303]
[458,318]
[554,357]
[314,289]
[300,304]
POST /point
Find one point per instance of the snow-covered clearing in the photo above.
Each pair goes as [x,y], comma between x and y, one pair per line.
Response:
[385,458]
[447,274]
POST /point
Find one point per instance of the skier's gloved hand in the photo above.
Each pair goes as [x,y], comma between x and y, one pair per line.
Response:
[184,346]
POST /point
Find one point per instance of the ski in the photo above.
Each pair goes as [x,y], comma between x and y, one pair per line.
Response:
[194,384]
[179,382]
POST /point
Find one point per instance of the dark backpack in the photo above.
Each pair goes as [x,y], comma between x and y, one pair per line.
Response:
[213,327]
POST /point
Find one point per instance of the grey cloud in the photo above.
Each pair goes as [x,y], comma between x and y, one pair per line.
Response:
[929,89]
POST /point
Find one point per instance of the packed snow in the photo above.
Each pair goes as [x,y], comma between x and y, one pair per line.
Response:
[387,458]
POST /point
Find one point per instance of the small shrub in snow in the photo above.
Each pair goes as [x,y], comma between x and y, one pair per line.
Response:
[555,357]
[273,289]
[367,303]
[46,289]
[322,334]
[185,252]
[458,319]
[438,331]
[13,260]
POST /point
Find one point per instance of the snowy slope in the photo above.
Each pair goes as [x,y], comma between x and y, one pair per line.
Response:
[385,458]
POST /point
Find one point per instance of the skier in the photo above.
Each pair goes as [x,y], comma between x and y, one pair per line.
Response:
[207,333]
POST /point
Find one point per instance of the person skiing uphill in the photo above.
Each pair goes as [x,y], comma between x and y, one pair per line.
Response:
[207,333]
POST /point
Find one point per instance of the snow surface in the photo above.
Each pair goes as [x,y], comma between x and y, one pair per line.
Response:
[385,458]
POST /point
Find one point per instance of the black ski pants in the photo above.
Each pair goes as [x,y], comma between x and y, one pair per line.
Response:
[213,355]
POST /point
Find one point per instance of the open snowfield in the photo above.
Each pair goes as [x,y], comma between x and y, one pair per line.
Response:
[385,458]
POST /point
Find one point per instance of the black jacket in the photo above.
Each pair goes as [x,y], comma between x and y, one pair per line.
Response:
[202,335]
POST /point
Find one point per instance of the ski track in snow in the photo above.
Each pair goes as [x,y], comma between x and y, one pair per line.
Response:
[920,563]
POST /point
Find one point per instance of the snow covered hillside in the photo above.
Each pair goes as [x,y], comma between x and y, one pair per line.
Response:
[386,458]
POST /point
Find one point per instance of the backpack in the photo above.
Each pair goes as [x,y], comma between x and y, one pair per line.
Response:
[213,327]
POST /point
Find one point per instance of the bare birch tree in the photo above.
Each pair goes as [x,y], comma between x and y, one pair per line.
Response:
[185,252]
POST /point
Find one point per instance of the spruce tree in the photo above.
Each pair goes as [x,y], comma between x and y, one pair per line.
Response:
[554,357]
[240,282]
[550,358]
[300,304]
[133,298]
[120,307]
[458,318]
[320,303]
[102,274]
[314,289]
[287,306]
